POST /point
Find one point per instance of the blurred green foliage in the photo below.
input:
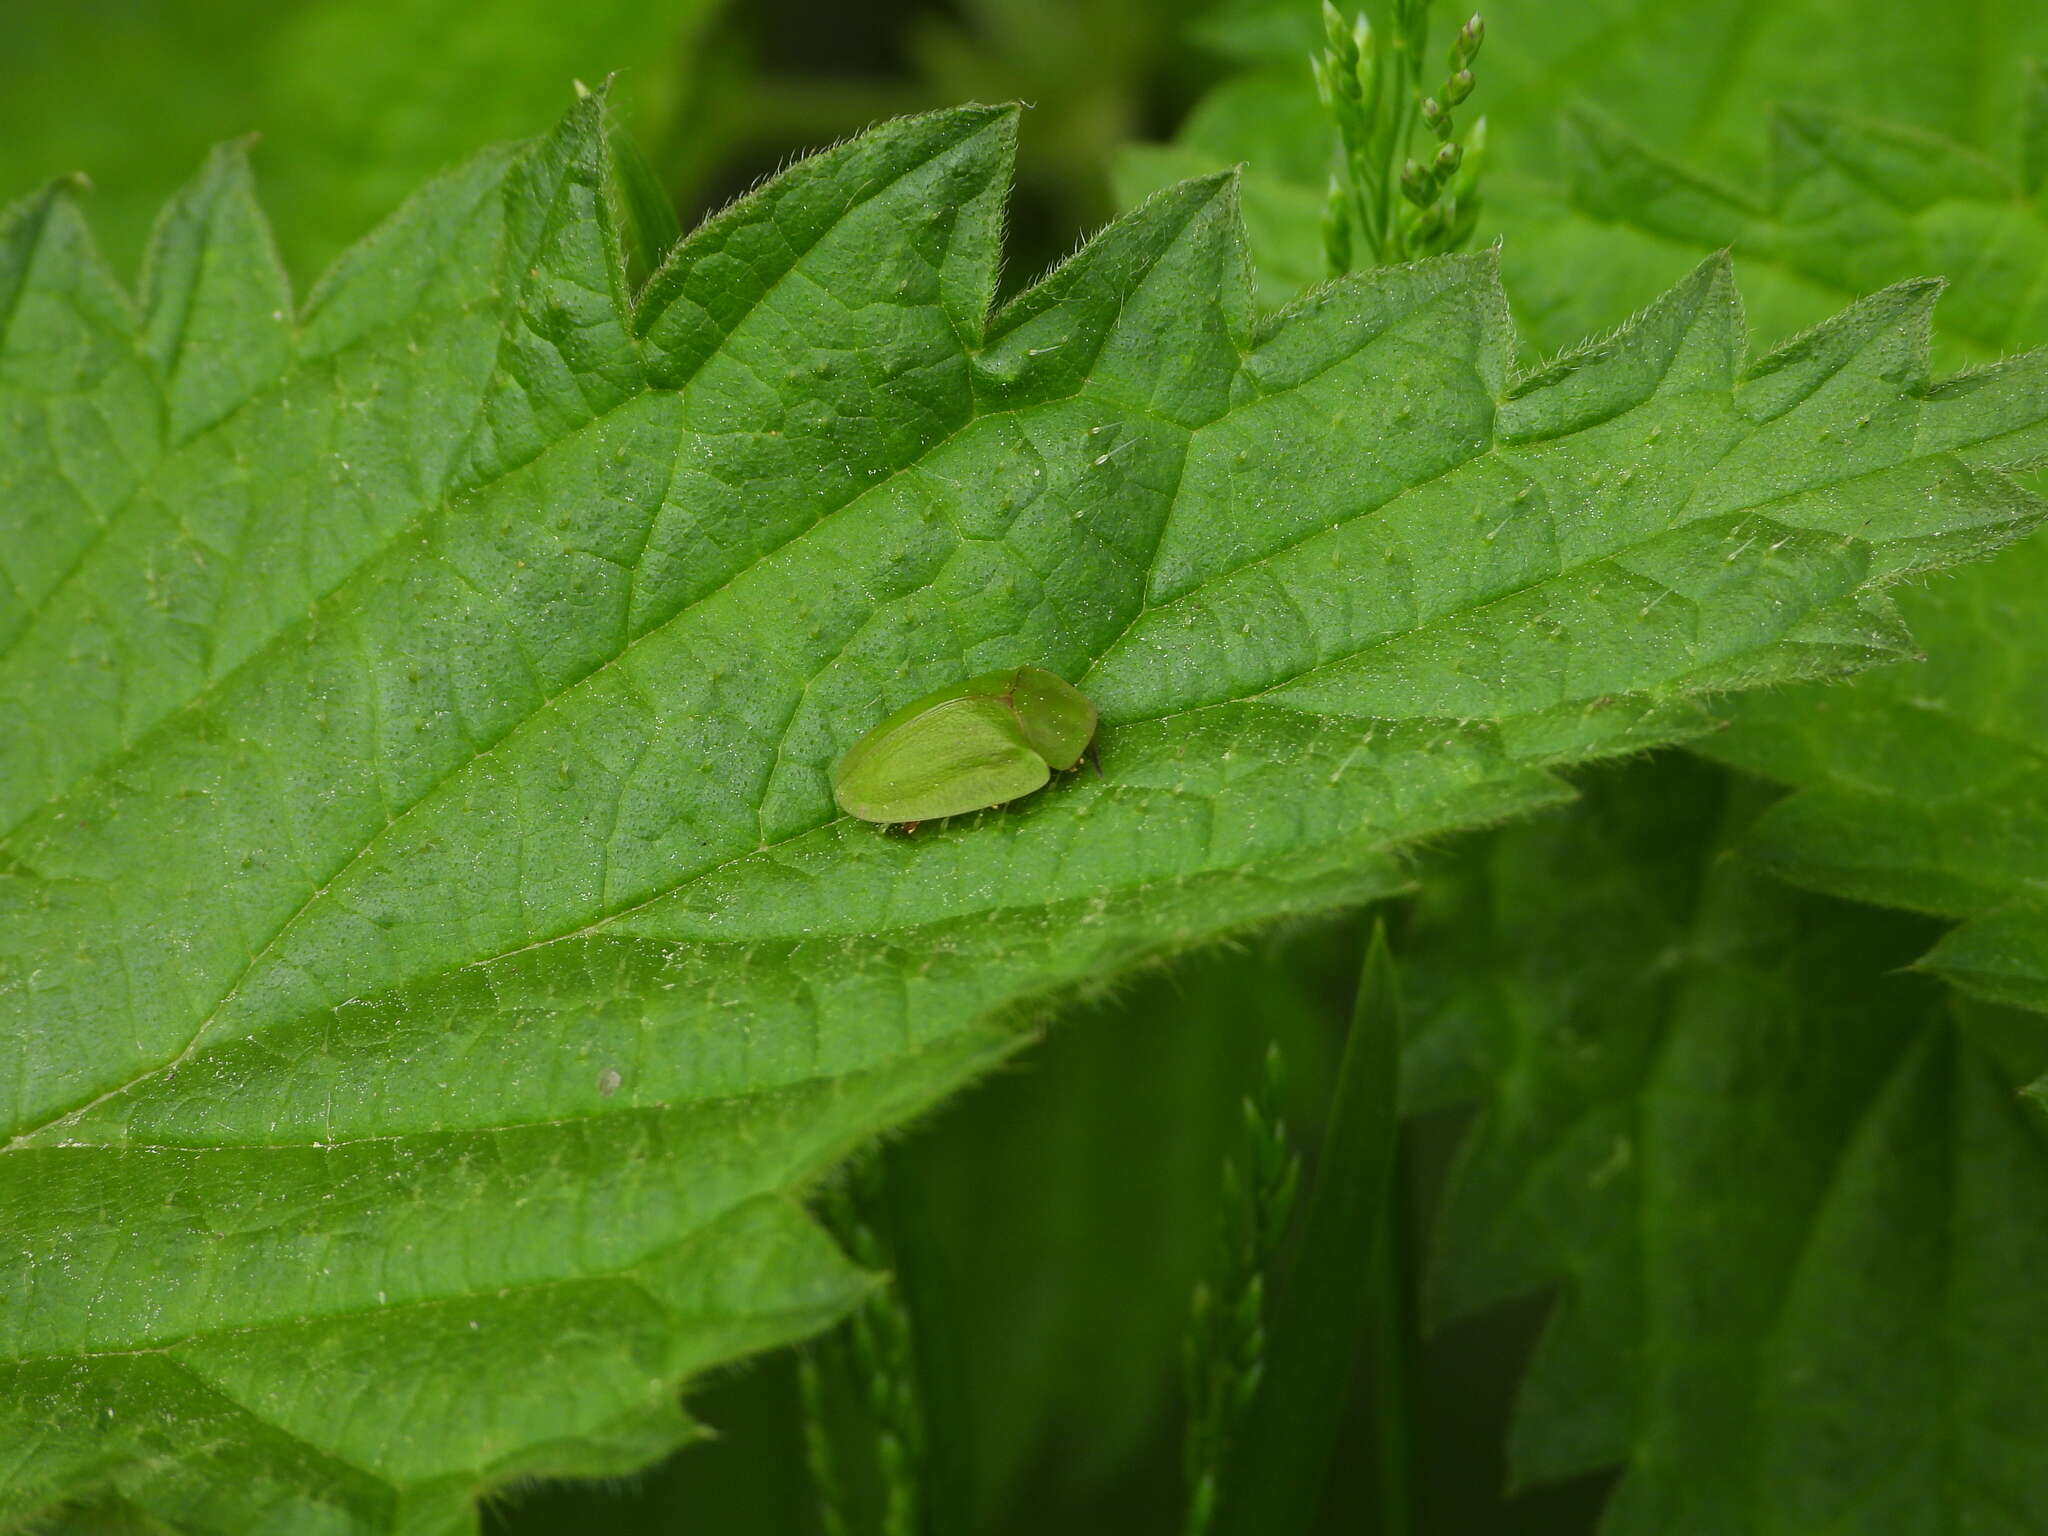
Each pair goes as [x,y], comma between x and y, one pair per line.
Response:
[1052,1221]
[356,102]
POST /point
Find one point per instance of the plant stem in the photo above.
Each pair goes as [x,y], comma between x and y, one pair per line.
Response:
[1277,1465]
[876,1351]
[1393,1313]
[1371,78]
[1226,1340]
[828,1483]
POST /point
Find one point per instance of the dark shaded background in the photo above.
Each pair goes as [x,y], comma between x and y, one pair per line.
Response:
[1051,1223]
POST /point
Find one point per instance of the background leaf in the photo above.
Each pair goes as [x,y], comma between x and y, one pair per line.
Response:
[1924,785]
[1681,1061]
[1848,205]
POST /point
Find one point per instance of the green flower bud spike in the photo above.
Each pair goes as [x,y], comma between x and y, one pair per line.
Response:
[1342,40]
[1370,82]
[1366,70]
[1465,46]
[1337,230]
[1417,185]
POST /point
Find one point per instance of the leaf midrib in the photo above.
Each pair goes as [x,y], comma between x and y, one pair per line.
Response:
[199,1035]
[974,418]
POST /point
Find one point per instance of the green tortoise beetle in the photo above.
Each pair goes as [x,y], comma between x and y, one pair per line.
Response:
[981,743]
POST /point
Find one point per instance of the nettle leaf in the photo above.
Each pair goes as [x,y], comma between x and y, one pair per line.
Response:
[1277,132]
[1925,785]
[1848,205]
[431,964]
[1796,1210]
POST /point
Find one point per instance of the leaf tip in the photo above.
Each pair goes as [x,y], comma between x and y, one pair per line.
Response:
[1903,312]
[227,163]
